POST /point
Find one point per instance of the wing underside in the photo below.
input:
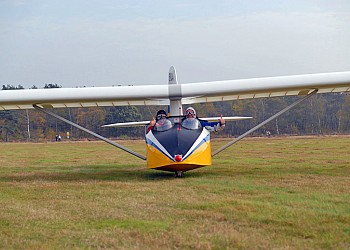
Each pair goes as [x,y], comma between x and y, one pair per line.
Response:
[203,99]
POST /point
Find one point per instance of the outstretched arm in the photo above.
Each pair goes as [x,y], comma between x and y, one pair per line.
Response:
[151,124]
[214,126]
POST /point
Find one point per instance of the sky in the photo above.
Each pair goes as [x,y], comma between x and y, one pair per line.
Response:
[104,43]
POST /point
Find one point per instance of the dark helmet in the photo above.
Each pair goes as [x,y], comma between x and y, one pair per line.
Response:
[161,114]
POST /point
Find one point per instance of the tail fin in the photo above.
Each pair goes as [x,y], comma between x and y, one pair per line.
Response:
[172,75]
[175,94]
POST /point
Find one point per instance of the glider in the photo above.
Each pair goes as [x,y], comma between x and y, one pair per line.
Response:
[178,148]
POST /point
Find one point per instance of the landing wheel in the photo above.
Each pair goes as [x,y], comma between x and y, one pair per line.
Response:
[179,174]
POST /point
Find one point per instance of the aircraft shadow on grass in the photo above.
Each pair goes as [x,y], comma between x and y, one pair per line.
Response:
[87,174]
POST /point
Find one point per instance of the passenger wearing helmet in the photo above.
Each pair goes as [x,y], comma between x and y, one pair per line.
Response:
[192,122]
[160,123]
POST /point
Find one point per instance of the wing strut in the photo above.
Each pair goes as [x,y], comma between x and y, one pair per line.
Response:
[264,122]
[89,132]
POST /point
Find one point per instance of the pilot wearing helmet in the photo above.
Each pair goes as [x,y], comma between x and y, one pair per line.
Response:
[161,123]
[192,122]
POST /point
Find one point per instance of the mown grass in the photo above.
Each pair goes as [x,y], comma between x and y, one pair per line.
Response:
[289,193]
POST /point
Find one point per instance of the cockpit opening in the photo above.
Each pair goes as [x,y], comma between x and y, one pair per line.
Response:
[163,125]
[191,123]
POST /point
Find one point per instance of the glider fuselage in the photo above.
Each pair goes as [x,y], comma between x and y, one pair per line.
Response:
[178,148]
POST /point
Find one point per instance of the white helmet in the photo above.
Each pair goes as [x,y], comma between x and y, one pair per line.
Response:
[190,111]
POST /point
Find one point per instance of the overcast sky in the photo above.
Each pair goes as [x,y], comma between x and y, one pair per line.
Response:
[103,43]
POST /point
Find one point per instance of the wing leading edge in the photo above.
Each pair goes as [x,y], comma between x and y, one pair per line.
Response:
[190,92]
[265,87]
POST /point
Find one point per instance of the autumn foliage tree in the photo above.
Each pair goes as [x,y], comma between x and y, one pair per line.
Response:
[321,114]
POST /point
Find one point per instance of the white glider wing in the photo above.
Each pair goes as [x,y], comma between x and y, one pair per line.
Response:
[84,97]
[265,87]
[161,94]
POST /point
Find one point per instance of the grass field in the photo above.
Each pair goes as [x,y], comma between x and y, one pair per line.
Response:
[284,193]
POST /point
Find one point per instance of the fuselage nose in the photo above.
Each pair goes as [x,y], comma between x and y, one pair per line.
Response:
[178,158]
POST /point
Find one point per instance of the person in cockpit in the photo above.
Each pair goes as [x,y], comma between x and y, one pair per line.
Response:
[192,122]
[160,123]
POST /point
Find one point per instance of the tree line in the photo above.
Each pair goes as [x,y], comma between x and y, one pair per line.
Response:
[320,114]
